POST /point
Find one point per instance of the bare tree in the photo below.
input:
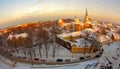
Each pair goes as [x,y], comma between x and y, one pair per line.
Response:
[54,39]
[45,39]
[40,41]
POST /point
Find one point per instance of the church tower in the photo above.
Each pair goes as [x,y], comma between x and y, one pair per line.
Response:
[87,21]
[86,18]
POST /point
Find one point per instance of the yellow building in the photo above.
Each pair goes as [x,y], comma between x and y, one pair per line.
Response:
[115,37]
[60,22]
[68,26]
[75,49]
[87,25]
[77,44]
[78,27]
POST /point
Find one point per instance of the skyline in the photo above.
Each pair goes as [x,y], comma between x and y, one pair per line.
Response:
[15,12]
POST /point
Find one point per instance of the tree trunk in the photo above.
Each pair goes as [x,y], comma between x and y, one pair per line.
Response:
[53,50]
[84,49]
[46,49]
[40,52]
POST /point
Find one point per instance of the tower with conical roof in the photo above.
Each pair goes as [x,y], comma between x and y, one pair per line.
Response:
[87,21]
[86,18]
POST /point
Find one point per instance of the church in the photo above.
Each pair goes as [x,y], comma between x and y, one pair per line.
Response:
[77,24]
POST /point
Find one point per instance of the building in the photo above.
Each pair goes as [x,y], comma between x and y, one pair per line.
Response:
[87,21]
[77,25]
[82,46]
[74,43]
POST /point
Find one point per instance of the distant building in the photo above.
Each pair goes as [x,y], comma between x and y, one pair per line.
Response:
[103,40]
[60,22]
[87,21]
[77,25]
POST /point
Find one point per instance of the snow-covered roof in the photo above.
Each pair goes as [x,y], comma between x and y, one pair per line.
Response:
[82,43]
[10,37]
[60,20]
[89,32]
[23,35]
[78,33]
[102,38]
[69,34]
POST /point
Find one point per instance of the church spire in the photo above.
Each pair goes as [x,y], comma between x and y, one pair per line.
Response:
[86,12]
[86,19]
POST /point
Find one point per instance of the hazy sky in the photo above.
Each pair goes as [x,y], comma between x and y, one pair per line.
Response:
[13,12]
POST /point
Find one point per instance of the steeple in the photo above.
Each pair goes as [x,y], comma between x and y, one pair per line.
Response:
[86,19]
[86,12]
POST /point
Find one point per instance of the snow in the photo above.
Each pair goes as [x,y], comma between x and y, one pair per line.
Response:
[5,63]
[103,38]
[82,42]
[4,66]
[84,33]
[60,20]
[23,35]
[116,35]
[10,37]
[111,54]
[81,65]
[69,34]
[88,33]
[110,48]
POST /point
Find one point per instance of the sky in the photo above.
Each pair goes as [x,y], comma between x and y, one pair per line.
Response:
[13,12]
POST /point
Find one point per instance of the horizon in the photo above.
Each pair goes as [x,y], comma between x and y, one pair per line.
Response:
[21,11]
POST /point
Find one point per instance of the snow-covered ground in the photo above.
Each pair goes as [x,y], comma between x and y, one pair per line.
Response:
[4,66]
[60,53]
[82,65]
[110,56]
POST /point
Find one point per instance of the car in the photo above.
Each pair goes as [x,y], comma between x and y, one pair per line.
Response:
[97,56]
[36,59]
[81,58]
[43,60]
[59,60]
